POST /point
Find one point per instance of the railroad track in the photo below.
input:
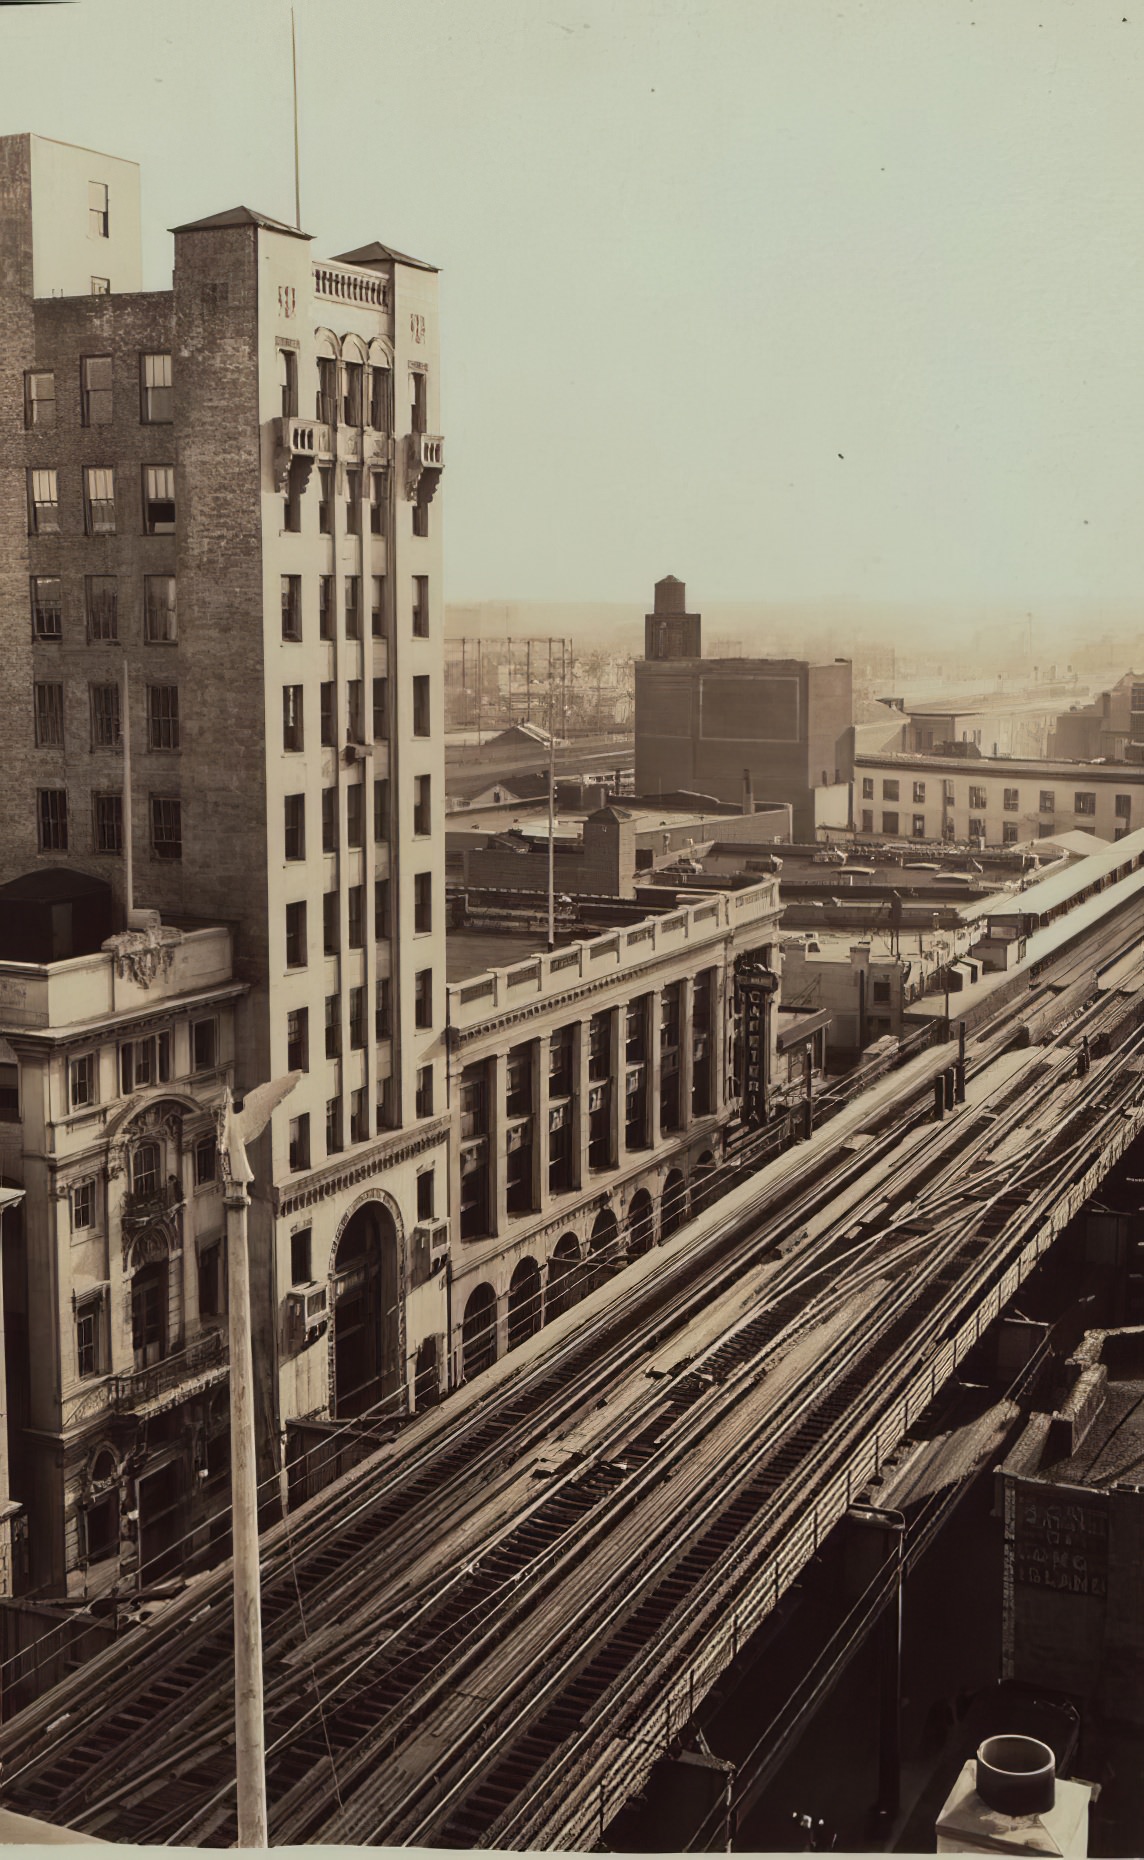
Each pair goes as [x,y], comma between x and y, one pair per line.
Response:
[318,1564]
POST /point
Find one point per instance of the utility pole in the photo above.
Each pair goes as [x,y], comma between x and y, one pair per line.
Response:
[239,1129]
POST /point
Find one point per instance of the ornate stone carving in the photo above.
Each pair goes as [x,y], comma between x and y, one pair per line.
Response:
[141,955]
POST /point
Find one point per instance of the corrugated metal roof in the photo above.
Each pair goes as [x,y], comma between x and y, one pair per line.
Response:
[1048,894]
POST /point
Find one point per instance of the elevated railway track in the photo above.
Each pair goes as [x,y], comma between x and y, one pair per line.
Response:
[487,1634]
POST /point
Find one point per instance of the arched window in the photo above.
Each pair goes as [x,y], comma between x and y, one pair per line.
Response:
[479,1331]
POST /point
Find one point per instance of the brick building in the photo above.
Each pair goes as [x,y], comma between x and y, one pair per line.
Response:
[217,526]
[994,802]
[781,728]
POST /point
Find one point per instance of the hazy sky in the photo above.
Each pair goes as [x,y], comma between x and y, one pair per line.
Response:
[693,251]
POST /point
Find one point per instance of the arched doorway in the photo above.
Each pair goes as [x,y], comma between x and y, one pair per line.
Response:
[673,1205]
[641,1224]
[563,1269]
[524,1314]
[426,1377]
[479,1332]
[703,1183]
[603,1252]
[367,1347]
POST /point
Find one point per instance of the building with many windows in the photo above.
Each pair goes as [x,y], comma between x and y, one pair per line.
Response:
[993,802]
[219,549]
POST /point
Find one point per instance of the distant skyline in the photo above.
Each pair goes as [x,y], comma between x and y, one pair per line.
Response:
[804,303]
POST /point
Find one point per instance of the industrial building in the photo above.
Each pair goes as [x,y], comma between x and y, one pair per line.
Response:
[992,801]
[219,549]
[777,730]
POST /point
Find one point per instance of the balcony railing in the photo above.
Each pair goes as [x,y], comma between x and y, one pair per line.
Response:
[144,1204]
[305,439]
[206,1357]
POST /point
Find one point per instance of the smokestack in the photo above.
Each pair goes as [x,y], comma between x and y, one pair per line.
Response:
[748,793]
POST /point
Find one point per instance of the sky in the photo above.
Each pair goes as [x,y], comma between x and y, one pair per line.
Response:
[834,302]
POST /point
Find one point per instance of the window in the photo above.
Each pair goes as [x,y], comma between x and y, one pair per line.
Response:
[329,820]
[352,413]
[160,618]
[867,787]
[82,1206]
[327,716]
[376,503]
[162,716]
[87,1328]
[417,398]
[421,706]
[98,216]
[1008,833]
[355,899]
[889,823]
[159,500]
[292,496]
[108,822]
[49,715]
[102,604]
[292,732]
[420,606]
[211,1279]
[300,1142]
[298,1040]
[377,606]
[329,923]
[99,500]
[889,791]
[142,1063]
[353,505]
[380,709]
[333,1027]
[105,729]
[206,1161]
[423,1104]
[47,606]
[919,792]
[380,402]
[39,401]
[422,820]
[354,710]
[1123,807]
[300,1273]
[325,499]
[420,519]
[52,813]
[355,814]
[353,607]
[166,827]
[158,396]
[291,606]
[1047,804]
[381,809]
[1010,800]
[288,381]
[423,998]
[204,1045]
[43,503]
[357,1019]
[383,1014]
[425,1195]
[359,1127]
[333,1126]
[976,827]
[296,935]
[1084,802]
[919,828]
[423,902]
[83,1082]
[295,823]
[382,926]
[325,607]
[977,798]
[95,403]
[867,820]
[327,390]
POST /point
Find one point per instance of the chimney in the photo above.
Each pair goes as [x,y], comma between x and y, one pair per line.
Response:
[748,793]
